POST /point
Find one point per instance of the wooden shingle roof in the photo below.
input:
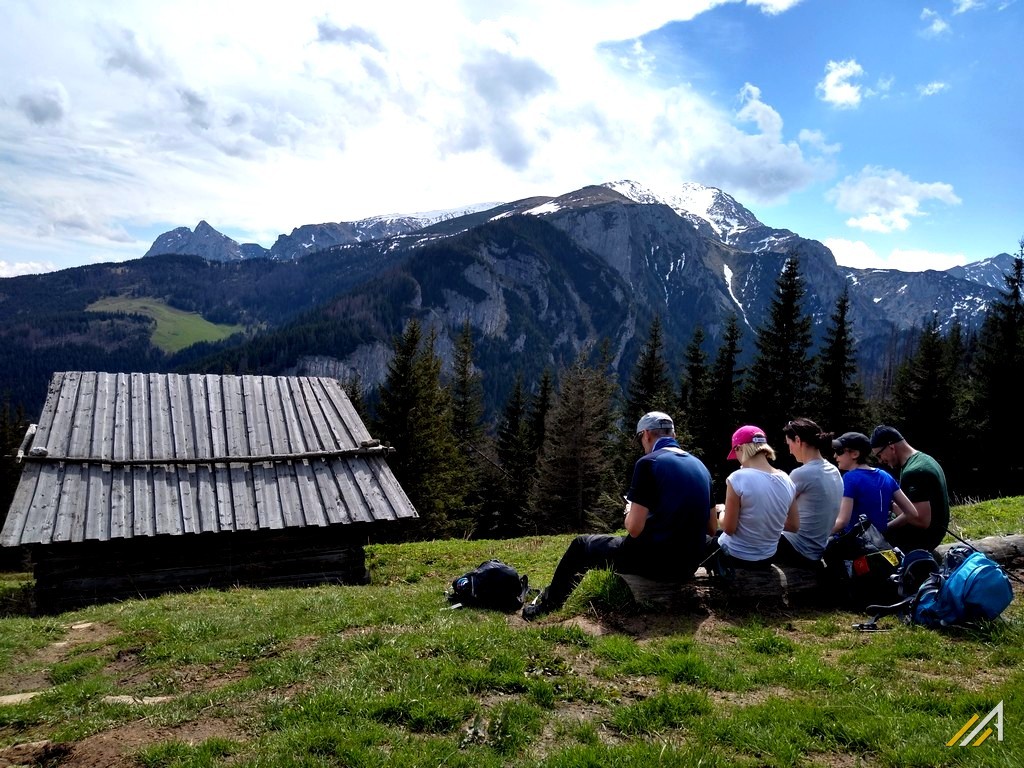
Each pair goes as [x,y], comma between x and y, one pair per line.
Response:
[123,455]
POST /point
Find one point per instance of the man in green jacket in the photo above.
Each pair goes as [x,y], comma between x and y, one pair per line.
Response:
[924,482]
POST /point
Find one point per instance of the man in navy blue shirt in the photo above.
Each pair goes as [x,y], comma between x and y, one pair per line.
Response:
[667,511]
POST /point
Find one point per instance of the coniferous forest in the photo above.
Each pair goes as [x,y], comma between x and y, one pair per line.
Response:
[557,454]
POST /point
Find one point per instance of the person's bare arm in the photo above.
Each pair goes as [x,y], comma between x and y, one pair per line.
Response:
[731,517]
[636,518]
[916,513]
[792,518]
[845,510]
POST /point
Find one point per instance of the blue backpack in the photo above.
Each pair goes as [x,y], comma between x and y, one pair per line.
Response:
[968,586]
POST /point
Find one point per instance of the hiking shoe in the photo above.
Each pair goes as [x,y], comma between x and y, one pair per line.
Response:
[537,608]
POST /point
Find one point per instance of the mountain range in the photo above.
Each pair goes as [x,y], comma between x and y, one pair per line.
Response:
[537,279]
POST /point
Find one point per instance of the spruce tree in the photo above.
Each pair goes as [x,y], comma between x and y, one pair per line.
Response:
[923,395]
[692,414]
[721,411]
[838,396]
[518,460]
[778,384]
[415,416]
[998,372]
[537,413]
[650,387]
[467,390]
[575,478]
[467,396]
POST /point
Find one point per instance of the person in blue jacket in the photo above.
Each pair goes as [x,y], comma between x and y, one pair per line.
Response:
[666,518]
[867,490]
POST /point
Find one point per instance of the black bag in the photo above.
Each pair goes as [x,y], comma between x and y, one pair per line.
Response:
[860,563]
[491,585]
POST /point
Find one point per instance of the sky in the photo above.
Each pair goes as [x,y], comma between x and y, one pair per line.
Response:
[890,130]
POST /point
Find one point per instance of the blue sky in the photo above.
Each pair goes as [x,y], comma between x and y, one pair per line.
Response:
[890,130]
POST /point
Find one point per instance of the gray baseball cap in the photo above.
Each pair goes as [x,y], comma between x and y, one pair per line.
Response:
[654,420]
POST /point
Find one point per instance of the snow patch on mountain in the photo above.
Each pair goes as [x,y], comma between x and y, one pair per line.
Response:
[540,210]
[728,284]
[726,217]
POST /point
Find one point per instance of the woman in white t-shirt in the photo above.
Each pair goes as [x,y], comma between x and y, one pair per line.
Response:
[819,492]
[758,503]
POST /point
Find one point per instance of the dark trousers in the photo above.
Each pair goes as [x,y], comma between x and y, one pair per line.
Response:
[787,554]
[585,553]
[717,561]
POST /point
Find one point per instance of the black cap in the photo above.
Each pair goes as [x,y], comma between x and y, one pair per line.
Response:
[884,436]
[852,441]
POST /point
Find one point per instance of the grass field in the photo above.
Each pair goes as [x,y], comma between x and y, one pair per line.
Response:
[385,675]
[175,329]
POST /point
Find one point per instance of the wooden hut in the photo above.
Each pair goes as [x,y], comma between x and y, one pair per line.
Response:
[137,484]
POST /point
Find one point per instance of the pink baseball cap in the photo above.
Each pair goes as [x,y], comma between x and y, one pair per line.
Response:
[744,435]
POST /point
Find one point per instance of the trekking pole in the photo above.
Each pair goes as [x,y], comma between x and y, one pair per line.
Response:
[1012,575]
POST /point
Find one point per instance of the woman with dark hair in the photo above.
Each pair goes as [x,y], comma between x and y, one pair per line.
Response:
[867,490]
[819,491]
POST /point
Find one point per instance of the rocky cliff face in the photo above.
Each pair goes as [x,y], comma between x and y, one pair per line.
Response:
[539,279]
[205,241]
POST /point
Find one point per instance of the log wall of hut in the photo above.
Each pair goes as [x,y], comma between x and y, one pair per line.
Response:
[72,575]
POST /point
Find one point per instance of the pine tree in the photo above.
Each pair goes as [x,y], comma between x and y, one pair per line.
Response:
[923,396]
[467,396]
[537,413]
[13,425]
[650,388]
[998,372]
[415,416]
[778,383]
[838,397]
[691,416]
[467,391]
[518,460]
[575,478]
[723,393]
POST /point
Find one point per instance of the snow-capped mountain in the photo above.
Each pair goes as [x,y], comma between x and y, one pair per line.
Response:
[989,272]
[207,242]
[709,205]
[695,256]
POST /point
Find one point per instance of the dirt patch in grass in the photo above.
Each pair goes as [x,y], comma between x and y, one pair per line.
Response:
[115,748]
[36,676]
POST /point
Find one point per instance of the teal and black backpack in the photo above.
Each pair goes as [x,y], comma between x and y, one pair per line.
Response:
[968,586]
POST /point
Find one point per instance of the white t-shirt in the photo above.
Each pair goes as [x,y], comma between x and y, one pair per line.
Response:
[764,501]
[819,492]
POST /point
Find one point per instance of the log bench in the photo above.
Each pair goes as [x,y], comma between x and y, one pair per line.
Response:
[779,587]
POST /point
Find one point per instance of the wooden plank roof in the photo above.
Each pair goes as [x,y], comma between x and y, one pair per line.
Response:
[123,455]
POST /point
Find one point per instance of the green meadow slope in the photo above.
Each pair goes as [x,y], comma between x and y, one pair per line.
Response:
[386,675]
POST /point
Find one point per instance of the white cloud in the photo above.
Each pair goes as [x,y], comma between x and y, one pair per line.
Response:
[962,6]
[860,255]
[936,25]
[930,89]
[853,253]
[46,102]
[881,88]
[14,269]
[884,200]
[260,122]
[836,88]
[918,260]
[817,140]
[774,7]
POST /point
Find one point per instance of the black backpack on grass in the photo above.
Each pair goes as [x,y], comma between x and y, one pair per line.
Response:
[859,566]
[493,584]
